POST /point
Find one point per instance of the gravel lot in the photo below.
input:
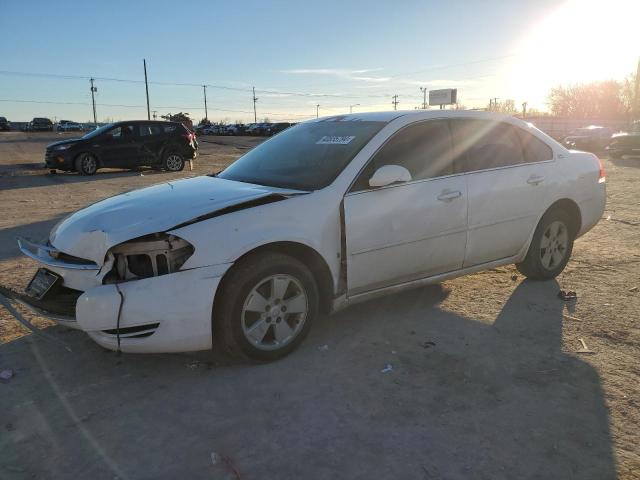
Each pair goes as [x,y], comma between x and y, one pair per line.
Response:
[486,380]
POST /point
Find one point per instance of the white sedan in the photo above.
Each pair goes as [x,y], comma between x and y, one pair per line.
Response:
[328,213]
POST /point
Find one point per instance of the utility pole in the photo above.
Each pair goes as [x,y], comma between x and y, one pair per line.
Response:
[395,102]
[351,107]
[255,99]
[93,101]
[317,110]
[206,115]
[524,109]
[155,114]
[424,97]
[494,103]
[146,86]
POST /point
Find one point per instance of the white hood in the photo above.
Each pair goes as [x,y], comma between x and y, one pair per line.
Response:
[89,233]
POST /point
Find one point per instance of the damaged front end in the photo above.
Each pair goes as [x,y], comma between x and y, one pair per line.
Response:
[138,300]
[148,256]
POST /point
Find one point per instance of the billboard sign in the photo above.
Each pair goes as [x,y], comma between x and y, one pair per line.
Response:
[445,96]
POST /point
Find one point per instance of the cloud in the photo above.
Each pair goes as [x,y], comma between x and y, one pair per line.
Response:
[354,75]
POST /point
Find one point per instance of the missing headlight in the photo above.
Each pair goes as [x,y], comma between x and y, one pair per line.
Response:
[148,256]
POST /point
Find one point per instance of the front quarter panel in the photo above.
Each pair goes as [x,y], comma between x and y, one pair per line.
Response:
[309,219]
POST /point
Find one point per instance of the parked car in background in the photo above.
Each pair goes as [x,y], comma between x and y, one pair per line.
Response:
[258,129]
[199,129]
[166,145]
[40,124]
[275,128]
[5,125]
[624,144]
[235,129]
[213,130]
[326,214]
[69,126]
[589,139]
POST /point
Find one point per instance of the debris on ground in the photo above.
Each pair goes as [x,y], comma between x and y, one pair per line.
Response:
[323,348]
[214,458]
[514,277]
[6,375]
[567,295]
[387,368]
[428,344]
[584,348]
[570,317]
[633,289]
[193,364]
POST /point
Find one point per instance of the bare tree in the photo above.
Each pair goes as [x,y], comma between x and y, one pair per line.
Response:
[603,99]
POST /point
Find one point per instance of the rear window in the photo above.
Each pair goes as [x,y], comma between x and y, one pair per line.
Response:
[534,149]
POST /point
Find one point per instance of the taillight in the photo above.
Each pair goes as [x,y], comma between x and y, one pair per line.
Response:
[189,136]
[601,175]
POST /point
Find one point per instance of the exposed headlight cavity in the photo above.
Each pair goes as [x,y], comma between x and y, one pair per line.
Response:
[148,256]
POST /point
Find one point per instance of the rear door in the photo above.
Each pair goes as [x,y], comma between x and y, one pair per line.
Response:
[410,230]
[152,138]
[509,174]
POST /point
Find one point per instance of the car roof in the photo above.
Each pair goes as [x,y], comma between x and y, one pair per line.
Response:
[159,122]
[389,116]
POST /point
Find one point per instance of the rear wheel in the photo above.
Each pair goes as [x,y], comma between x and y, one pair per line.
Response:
[86,164]
[550,247]
[173,162]
[267,306]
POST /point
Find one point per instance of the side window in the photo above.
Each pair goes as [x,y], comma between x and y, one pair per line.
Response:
[115,132]
[424,149]
[147,130]
[129,131]
[169,128]
[484,144]
[534,149]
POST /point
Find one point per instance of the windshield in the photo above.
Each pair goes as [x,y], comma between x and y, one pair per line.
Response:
[308,156]
[98,131]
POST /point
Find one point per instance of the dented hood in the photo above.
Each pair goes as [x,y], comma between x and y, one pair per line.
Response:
[89,233]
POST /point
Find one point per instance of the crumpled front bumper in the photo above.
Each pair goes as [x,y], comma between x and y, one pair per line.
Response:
[169,313]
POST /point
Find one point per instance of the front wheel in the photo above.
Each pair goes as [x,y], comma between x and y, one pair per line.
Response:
[86,164]
[550,247]
[173,162]
[267,306]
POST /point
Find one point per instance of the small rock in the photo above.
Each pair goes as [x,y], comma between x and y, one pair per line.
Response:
[514,277]
[323,348]
[428,344]
[6,375]
[633,289]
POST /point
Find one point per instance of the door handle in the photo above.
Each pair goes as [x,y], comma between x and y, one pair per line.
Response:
[535,179]
[447,196]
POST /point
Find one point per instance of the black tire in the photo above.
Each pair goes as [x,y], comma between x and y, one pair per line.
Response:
[86,164]
[533,266]
[173,161]
[229,318]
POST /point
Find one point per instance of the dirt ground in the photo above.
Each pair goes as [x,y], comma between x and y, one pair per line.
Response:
[486,380]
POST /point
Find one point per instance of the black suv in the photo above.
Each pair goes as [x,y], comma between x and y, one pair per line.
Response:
[40,124]
[125,145]
[5,124]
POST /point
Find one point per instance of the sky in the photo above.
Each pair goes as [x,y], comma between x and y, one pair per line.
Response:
[340,55]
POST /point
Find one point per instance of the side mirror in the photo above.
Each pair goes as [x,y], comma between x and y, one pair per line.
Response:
[388,174]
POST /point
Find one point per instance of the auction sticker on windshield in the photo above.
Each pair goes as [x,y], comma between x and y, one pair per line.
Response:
[330,140]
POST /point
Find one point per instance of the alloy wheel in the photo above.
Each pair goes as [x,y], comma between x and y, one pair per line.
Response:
[174,162]
[553,245]
[274,312]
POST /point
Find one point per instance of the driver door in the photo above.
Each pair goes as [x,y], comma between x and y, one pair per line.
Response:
[411,230]
[119,147]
